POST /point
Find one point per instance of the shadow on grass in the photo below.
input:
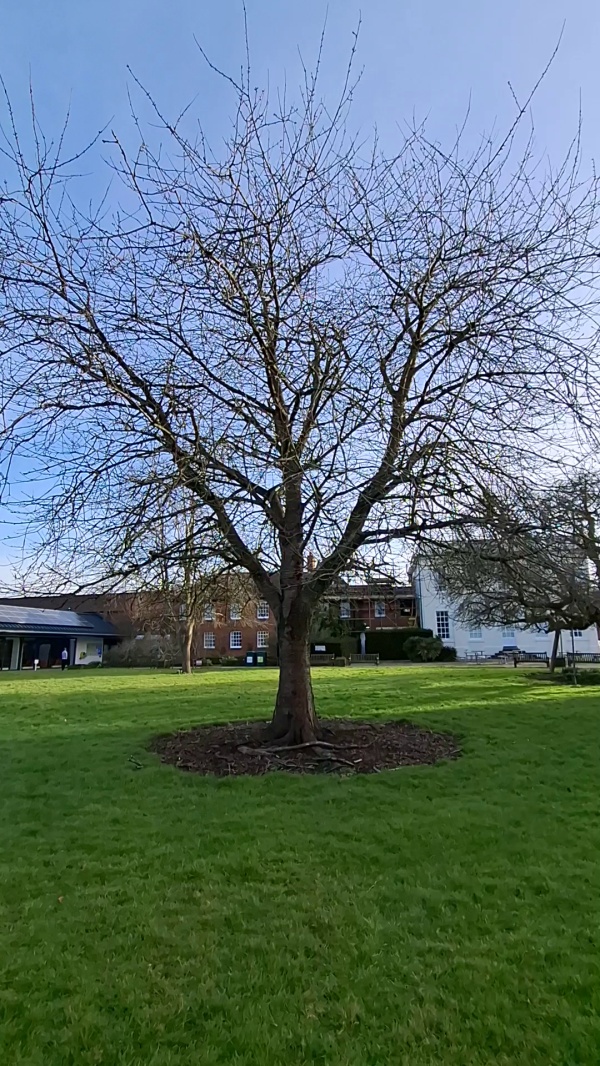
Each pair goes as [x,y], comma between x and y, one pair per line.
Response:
[154,702]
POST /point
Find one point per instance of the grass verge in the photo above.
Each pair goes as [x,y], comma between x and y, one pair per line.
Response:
[445,914]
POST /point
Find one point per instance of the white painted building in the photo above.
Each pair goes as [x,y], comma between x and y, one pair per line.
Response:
[437,613]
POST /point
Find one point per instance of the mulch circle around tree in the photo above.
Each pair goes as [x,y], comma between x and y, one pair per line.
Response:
[345,747]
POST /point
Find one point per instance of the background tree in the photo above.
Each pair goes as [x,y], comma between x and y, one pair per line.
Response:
[534,564]
[168,548]
[572,509]
[330,348]
[180,581]
[174,597]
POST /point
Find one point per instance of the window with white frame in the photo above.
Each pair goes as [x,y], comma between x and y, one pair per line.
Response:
[262,639]
[235,639]
[380,609]
[345,611]
[475,633]
[209,640]
[209,612]
[442,624]
[578,632]
[235,612]
[262,610]
[508,631]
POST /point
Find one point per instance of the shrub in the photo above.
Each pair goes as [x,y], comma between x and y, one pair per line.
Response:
[231,660]
[424,649]
[207,662]
[584,677]
[149,650]
[447,655]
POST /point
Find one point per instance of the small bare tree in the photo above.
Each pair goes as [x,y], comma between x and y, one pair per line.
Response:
[160,542]
[179,581]
[329,349]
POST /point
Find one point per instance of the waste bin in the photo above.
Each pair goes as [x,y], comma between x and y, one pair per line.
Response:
[256,658]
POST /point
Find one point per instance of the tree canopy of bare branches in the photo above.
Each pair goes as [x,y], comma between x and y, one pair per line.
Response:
[535,563]
[171,555]
[328,347]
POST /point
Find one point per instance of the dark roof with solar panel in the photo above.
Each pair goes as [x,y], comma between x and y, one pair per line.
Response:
[62,623]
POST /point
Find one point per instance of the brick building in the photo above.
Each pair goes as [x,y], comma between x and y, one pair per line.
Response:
[377,605]
[231,629]
[223,629]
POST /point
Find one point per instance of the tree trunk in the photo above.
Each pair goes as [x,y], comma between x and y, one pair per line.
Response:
[186,649]
[554,652]
[294,720]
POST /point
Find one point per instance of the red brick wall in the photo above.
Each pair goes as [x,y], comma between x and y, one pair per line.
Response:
[249,626]
[398,613]
[121,609]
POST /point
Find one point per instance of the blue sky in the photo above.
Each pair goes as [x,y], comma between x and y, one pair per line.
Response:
[422,58]
[428,57]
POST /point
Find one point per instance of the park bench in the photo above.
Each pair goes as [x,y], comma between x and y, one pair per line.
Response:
[368,657]
[533,657]
[584,657]
[322,660]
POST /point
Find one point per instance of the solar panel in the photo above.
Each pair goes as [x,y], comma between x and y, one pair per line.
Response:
[32,617]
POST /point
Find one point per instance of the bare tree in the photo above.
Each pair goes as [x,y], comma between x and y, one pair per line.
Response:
[179,578]
[174,596]
[572,510]
[159,541]
[535,563]
[328,347]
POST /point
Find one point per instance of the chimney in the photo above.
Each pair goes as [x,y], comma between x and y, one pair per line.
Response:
[311,562]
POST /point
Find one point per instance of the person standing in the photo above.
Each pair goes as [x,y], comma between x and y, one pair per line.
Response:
[64,659]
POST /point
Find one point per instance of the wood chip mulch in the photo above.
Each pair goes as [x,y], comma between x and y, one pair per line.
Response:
[347,747]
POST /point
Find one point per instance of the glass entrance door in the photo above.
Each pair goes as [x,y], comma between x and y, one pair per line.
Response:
[6,647]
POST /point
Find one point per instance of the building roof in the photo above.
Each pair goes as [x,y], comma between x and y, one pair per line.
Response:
[62,623]
[374,591]
[80,602]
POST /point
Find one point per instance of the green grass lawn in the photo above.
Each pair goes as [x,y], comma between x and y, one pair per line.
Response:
[448,914]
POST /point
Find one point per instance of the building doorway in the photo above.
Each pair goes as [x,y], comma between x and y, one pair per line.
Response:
[48,652]
[44,655]
[6,649]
